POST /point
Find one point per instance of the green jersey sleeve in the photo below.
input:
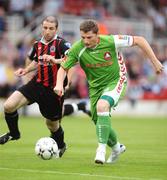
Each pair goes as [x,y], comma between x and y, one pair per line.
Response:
[72,56]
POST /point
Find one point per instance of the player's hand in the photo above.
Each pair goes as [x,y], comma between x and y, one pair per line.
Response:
[158,67]
[50,59]
[59,91]
[47,58]
[64,58]
[20,72]
[68,86]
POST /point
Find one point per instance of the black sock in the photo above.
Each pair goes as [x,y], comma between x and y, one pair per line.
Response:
[58,136]
[12,122]
[81,106]
[68,109]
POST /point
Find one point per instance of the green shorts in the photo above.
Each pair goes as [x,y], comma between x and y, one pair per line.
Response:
[115,90]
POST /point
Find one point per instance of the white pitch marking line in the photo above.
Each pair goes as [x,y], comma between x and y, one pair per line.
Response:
[73,173]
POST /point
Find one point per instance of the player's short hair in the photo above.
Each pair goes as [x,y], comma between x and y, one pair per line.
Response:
[51,19]
[89,25]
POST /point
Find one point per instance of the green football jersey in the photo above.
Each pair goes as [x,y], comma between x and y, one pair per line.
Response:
[102,65]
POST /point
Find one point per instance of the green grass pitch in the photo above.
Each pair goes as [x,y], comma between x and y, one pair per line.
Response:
[145,158]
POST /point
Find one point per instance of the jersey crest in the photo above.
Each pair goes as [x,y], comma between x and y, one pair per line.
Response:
[107,56]
[52,49]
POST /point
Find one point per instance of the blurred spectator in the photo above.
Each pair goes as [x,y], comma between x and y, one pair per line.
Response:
[93,10]
[51,7]
[8,53]
[23,48]
[103,29]
[159,21]
[7,50]
[107,6]
[3,27]
[19,6]
[122,10]
[133,65]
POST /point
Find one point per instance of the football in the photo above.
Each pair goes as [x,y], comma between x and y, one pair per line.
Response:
[46,148]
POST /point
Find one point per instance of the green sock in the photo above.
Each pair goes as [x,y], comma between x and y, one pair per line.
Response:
[112,140]
[103,126]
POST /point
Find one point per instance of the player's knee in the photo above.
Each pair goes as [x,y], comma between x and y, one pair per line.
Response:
[52,125]
[102,106]
[9,107]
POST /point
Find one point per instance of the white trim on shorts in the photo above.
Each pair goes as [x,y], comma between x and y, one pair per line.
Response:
[117,91]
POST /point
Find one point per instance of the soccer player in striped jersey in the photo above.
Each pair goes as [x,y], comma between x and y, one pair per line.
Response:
[40,88]
[100,58]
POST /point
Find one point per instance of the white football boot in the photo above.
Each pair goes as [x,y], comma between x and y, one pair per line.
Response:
[115,153]
[100,155]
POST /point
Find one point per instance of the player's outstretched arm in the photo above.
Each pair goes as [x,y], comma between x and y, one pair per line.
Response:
[23,71]
[70,75]
[144,45]
[30,75]
[59,90]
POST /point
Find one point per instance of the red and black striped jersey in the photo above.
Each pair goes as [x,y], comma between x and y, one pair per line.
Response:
[47,72]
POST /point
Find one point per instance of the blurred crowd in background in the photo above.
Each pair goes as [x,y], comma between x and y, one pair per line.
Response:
[143,82]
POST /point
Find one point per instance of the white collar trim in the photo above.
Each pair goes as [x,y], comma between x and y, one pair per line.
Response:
[43,40]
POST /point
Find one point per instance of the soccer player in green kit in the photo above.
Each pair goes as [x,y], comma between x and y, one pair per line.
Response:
[100,58]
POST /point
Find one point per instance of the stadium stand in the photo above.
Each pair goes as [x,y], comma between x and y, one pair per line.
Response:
[19,27]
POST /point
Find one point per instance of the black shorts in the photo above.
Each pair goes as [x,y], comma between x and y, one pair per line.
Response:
[50,104]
